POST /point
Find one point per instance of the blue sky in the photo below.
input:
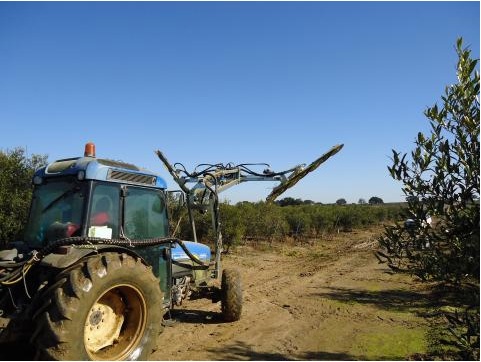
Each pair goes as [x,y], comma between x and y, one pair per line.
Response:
[274,82]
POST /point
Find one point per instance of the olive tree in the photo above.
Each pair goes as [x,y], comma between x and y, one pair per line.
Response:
[440,179]
[16,171]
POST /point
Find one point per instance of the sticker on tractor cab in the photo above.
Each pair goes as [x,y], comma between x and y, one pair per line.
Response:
[100,232]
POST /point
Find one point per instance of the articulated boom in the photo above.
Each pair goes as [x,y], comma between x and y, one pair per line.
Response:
[215,178]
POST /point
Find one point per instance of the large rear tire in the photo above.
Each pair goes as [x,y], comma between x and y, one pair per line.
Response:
[231,295]
[108,307]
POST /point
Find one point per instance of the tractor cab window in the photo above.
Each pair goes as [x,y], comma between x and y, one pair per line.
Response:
[145,214]
[56,211]
[104,211]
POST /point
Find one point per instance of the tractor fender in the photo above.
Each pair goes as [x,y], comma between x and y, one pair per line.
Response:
[71,255]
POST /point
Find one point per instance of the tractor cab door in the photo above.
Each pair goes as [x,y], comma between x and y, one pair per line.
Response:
[145,217]
[104,217]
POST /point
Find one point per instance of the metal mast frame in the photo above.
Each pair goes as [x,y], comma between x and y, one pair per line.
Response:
[213,179]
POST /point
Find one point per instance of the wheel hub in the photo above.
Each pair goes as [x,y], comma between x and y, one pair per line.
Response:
[95,317]
[115,324]
[104,322]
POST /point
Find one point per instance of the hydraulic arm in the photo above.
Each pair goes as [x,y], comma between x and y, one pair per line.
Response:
[211,179]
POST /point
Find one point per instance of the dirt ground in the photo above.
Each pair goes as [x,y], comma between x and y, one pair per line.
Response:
[327,300]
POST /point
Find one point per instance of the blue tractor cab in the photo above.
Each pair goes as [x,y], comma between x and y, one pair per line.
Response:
[90,197]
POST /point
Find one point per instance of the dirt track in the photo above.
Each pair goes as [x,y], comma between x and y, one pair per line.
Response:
[327,301]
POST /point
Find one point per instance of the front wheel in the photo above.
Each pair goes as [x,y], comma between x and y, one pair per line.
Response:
[108,307]
[231,295]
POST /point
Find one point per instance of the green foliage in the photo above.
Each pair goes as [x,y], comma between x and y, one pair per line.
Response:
[299,221]
[464,328]
[247,221]
[441,178]
[233,227]
[16,172]
[375,200]
[261,220]
[289,201]
[176,211]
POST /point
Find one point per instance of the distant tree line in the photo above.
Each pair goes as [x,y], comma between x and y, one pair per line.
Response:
[246,221]
[290,201]
[372,201]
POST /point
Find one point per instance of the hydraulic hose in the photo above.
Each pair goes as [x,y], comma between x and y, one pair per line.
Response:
[80,240]
[8,264]
[21,268]
[120,242]
[190,255]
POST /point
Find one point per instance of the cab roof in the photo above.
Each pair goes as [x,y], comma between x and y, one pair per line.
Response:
[92,168]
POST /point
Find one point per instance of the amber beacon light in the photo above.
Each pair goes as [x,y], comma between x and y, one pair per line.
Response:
[89,149]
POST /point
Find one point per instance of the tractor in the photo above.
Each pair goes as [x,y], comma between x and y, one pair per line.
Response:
[98,270]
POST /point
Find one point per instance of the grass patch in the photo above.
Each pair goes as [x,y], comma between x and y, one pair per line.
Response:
[393,343]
